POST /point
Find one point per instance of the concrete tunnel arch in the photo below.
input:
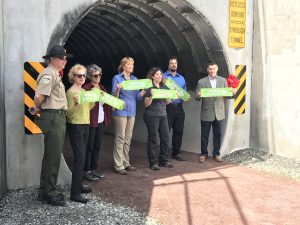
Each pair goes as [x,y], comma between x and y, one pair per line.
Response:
[149,31]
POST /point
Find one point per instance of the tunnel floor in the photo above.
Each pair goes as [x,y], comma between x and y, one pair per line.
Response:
[193,193]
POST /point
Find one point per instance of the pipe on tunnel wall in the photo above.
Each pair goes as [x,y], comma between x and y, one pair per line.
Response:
[94,31]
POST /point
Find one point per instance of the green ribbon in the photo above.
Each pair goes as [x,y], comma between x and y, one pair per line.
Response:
[216,92]
[164,94]
[136,84]
[172,85]
[96,95]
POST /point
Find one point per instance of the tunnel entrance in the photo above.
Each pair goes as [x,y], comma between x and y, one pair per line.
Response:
[150,31]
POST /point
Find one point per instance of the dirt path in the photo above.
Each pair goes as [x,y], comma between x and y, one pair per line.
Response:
[194,194]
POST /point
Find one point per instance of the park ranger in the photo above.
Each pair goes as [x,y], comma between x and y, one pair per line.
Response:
[50,101]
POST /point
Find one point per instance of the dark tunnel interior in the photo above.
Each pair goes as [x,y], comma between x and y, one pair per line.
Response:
[149,31]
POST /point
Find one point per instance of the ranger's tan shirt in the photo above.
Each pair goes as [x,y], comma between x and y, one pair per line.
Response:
[50,85]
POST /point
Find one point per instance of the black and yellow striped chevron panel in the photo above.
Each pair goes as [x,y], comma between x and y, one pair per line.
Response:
[240,96]
[31,72]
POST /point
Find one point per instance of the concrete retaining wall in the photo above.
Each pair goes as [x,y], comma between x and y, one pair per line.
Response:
[26,37]
[275,119]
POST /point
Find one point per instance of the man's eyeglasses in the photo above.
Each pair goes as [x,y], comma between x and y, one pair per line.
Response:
[61,57]
[80,75]
[96,75]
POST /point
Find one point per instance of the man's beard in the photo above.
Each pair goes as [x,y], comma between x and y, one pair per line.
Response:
[173,69]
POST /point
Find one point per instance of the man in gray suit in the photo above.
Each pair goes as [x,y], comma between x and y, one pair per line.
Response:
[212,112]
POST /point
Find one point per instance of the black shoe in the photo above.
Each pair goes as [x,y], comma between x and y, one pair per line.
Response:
[96,174]
[130,168]
[121,172]
[178,158]
[79,198]
[60,196]
[90,177]
[58,200]
[86,190]
[42,197]
[155,167]
[167,165]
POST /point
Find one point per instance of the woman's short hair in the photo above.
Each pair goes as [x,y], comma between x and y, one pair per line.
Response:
[91,69]
[74,71]
[153,71]
[123,62]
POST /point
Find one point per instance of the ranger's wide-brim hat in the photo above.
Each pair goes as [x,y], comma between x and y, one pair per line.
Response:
[57,50]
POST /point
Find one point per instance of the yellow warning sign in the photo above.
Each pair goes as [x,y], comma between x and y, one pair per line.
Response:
[240,96]
[237,11]
[31,72]
[237,19]
[236,35]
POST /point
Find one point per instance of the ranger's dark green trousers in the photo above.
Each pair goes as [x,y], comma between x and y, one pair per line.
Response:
[53,126]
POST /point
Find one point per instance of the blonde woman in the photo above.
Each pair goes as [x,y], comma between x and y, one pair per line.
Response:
[78,120]
[124,119]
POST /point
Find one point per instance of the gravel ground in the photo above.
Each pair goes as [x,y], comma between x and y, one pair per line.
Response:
[21,207]
[267,162]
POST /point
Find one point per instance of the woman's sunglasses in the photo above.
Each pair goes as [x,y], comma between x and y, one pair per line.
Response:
[80,75]
[97,75]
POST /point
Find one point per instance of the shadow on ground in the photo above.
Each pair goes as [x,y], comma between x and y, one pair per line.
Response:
[192,193]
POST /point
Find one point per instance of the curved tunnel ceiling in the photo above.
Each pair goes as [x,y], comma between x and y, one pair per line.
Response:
[150,31]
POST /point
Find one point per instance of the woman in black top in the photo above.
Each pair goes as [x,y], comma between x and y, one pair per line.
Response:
[155,117]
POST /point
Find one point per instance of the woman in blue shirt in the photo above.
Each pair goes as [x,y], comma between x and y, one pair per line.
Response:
[124,119]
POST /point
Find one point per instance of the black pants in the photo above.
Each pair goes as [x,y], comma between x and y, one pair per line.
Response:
[78,138]
[93,147]
[158,139]
[205,130]
[176,116]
